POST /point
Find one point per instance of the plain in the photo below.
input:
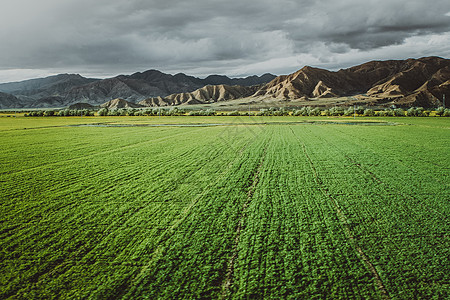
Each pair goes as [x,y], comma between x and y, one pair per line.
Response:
[224,207]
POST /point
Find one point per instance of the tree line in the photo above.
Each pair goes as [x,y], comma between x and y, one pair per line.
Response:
[272,111]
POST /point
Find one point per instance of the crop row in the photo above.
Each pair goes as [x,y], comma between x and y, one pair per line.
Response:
[280,211]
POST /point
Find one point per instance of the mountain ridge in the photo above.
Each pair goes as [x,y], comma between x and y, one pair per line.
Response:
[397,82]
[405,83]
[68,89]
[206,94]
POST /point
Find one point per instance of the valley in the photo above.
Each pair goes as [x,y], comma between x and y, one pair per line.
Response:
[278,207]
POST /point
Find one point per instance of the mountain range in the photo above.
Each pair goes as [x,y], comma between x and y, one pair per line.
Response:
[411,82]
[67,89]
[405,83]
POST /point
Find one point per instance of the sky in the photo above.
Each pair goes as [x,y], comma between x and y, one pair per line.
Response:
[105,38]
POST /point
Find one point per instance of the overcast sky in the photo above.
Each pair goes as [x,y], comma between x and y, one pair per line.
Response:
[104,38]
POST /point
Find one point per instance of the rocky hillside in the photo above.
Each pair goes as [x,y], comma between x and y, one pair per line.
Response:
[9,101]
[412,82]
[207,94]
[35,89]
[150,84]
[409,82]
[66,89]
[119,103]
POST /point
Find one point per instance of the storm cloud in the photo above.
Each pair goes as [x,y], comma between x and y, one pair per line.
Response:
[236,38]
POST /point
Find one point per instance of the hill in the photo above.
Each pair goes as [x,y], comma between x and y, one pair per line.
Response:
[51,86]
[119,103]
[67,89]
[207,94]
[410,82]
[405,83]
[9,101]
[150,84]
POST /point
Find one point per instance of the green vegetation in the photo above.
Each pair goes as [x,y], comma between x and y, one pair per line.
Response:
[272,111]
[240,207]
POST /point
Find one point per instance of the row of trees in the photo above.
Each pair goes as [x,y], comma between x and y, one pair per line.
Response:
[173,111]
[61,113]
[304,111]
[350,111]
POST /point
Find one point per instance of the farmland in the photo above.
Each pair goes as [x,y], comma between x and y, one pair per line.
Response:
[224,208]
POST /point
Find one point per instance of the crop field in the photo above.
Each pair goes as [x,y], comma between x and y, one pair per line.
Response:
[224,208]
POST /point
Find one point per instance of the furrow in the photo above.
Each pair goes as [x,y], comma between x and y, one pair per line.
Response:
[344,223]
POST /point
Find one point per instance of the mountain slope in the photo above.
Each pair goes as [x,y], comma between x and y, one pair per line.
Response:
[410,82]
[9,101]
[151,84]
[101,91]
[247,81]
[33,89]
[70,88]
[206,94]
[49,102]
[309,82]
[119,103]
[403,82]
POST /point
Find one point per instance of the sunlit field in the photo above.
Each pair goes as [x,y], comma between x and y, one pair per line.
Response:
[224,207]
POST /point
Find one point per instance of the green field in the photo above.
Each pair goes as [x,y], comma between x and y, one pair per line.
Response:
[237,208]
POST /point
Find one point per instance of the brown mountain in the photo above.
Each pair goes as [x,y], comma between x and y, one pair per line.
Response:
[420,83]
[206,94]
[410,82]
[66,89]
[151,84]
[135,87]
[119,103]
[307,82]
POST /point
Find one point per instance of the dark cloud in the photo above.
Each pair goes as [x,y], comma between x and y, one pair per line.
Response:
[210,36]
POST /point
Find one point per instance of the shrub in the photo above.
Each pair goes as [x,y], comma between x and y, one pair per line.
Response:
[416,112]
[208,112]
[131,111]
[233,113]
[280,112]
[147,111]
[297,112]
[113,112]
[368,112]
[388,112]
[103,111]
[175,111]
[315,112]
[264,112]
[440,111]
[336,111]
[360,110]
[398,112]
[420,112]
[349,111]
